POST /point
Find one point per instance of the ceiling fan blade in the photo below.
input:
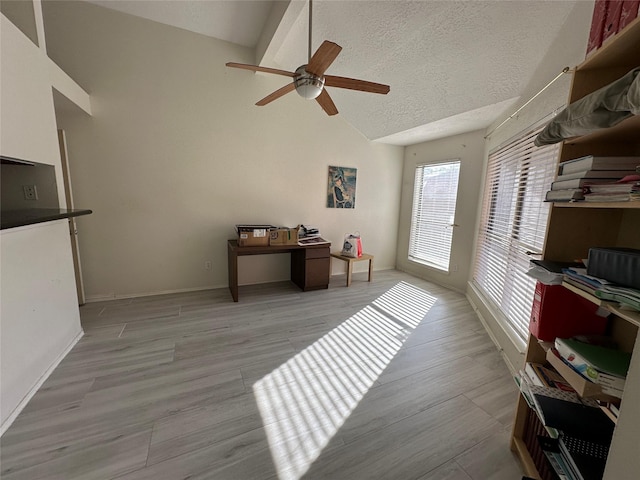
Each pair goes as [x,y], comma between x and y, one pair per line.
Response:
[326,103]
[355,84]
[289,87]
[324,56]
[257,68]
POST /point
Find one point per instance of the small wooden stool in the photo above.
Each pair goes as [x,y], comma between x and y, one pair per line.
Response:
[350,260]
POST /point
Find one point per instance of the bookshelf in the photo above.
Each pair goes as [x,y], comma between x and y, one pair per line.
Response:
[573,228]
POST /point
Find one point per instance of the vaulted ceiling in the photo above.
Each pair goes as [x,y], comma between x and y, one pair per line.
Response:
[453,66]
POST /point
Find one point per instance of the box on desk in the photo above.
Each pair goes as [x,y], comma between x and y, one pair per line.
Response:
[253,235]
[284,236]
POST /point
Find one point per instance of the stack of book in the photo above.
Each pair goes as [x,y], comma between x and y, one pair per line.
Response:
[601,288]
[577,276]
[613,192]
[574,176]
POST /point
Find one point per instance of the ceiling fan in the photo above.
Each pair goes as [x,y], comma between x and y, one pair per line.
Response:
[310,81]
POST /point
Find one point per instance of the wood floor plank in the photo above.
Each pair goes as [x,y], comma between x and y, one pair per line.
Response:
[429,438]
[104,457]
[390,402]
[449,471]
[390,379]
[487,461]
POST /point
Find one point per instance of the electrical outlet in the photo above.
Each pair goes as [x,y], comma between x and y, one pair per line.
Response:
[30,192]
[207,265]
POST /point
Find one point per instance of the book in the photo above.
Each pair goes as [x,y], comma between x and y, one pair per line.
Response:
[585,458]
[566,195]
[577,183]
[599,174]
[575,419]
[551,378]
[628,297]
[533,376]
[308,241]
[616,192]
[551,448]
[591,162]
[605,366]
[607,197]
[610,187]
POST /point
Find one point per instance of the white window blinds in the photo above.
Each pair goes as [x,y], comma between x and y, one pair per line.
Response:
[434,207]
[513,225]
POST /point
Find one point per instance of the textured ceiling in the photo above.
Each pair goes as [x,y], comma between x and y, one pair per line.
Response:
[453,66]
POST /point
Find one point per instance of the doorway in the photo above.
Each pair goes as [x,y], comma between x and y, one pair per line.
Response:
[73,230]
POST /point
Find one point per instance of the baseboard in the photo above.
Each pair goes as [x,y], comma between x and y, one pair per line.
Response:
[484,323]
[493,338]
[113,296]
[43,378]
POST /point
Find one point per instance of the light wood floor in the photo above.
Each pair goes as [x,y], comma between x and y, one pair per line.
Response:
[394,379]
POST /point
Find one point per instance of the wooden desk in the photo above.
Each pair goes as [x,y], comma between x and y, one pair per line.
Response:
[350,260]
[310,265]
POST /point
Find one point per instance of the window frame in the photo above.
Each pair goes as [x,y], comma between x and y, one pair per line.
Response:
[417,242]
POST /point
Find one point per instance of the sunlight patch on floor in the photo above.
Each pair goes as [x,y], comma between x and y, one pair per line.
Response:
[305,401]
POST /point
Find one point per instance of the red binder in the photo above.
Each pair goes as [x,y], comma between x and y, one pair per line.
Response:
[558,312]
[612,19]
[629,12]
[597,25]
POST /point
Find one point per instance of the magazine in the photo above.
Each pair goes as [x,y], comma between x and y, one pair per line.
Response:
[307,241]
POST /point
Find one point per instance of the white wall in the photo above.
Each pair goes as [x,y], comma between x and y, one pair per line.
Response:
[176,154]
[469,148]
[39,309]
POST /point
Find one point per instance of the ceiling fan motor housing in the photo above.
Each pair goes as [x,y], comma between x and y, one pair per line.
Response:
[307,85]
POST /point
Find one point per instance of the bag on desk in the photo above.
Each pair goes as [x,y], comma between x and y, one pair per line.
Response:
[352,246]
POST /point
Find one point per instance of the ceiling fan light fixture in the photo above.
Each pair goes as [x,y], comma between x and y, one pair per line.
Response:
[307,85]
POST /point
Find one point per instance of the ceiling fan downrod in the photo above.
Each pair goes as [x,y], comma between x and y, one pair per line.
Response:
[308,85]
[310,14]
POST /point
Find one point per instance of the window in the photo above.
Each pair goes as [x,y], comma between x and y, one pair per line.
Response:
[513,224]
[432,218]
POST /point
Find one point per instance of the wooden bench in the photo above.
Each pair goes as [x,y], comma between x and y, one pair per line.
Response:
[351,260]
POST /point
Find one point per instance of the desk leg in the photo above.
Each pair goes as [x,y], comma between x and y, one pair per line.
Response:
[370,268]
[349,271]
[232,259]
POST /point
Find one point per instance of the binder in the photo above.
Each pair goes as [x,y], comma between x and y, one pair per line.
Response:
[575,419]
[586,459]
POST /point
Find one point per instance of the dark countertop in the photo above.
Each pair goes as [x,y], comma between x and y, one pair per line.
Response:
[19,218]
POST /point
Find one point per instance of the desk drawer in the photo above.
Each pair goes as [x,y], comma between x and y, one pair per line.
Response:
[317,253]
[317,273]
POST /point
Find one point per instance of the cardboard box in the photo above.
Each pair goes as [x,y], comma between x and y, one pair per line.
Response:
[581,385]
[253,235]
[284,236]
[592,360]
